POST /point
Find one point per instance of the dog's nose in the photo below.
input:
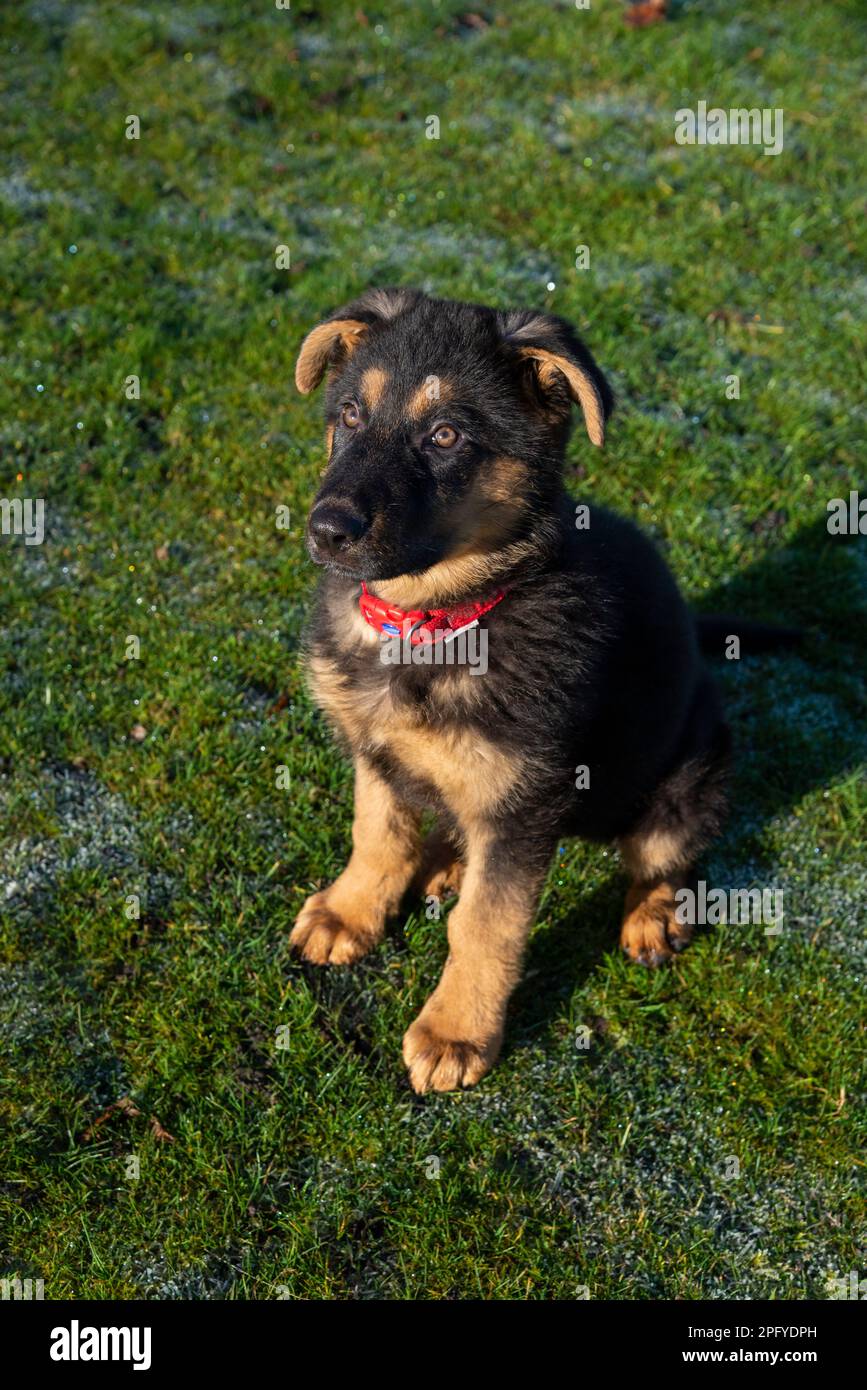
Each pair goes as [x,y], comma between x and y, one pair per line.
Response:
[335,526]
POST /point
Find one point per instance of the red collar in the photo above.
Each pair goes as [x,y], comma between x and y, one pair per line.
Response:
[422,624]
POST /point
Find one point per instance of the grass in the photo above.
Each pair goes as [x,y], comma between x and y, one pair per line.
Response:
[300,1164]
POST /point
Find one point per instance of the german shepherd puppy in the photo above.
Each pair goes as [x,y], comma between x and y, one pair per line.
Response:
[443,504]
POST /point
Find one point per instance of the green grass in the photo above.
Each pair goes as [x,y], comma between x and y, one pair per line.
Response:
[304,1169]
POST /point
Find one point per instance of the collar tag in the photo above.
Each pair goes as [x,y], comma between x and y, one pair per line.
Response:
[454,632]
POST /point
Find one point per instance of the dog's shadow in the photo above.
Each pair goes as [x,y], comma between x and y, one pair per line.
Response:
[798,720]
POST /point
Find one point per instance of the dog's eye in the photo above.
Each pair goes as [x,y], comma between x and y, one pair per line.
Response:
[350,416]
[445,437]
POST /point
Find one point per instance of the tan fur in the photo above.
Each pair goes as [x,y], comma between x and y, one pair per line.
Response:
[474,572]
[343,922]
[650,933]
[487,515]
[581,386]
[420,401]
[655,860]
[344,705]
[318,346]
[505,481]
[472,775]
[373,385]
[457,1036]
[656,852]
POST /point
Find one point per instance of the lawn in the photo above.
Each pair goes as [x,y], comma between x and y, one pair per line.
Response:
[696,1132]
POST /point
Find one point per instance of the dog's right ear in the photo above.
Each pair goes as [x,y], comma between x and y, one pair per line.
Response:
[330,343]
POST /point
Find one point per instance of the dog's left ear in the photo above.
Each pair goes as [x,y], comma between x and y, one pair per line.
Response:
[564,368]
[332,342]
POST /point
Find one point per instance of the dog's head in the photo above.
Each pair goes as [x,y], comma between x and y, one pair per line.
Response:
[446,425]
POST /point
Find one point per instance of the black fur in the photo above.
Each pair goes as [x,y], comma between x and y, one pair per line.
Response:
[593,655]
[592,660]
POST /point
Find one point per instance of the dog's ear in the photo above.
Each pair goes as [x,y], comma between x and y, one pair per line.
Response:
[563,369]
[334,340]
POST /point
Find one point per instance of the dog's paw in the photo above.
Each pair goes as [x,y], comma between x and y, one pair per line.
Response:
[651,933]
[324,937]
[436,1063]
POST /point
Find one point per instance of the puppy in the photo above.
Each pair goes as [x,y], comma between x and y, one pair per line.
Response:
[443,509]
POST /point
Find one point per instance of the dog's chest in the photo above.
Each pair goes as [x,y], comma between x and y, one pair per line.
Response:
[430,738]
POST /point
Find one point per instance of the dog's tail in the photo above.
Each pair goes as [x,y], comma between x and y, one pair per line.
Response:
[715,629]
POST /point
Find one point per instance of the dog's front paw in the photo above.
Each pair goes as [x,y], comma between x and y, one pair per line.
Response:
[651,933]
[326,937]
[436,1063]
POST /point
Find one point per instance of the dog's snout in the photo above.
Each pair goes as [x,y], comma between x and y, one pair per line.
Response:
[335,526]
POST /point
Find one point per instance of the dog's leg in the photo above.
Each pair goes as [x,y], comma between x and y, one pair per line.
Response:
[657,863]
[687,813]
[441,870]
[456,1038]
[344,921]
